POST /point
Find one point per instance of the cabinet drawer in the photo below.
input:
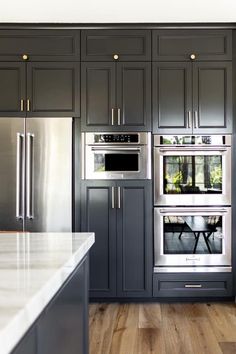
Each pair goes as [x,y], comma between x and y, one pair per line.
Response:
[129,45]
[180,44]
[50,45]
[192,285]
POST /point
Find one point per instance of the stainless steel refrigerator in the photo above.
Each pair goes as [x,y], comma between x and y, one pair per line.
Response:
[36,174]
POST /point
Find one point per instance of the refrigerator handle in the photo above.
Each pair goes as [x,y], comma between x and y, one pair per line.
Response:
[29,175]
[19,175]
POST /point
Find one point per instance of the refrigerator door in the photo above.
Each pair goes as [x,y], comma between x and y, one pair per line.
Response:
[11,174]
[48,175]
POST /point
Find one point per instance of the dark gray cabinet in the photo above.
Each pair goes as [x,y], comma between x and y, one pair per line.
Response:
[40,89]
[120,215]
[40,45]
[192,97]
[116,96]
[110,45]
[179,45]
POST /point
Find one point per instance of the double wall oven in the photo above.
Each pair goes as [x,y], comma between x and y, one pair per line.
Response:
[192,198]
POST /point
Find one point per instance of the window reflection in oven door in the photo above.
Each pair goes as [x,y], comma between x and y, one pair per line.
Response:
[192,236]
[202,176]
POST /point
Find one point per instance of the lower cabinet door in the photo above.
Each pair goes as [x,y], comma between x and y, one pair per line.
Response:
[98,214]
[134,239]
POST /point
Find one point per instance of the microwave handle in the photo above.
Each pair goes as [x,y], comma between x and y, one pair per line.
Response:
[194,149]
[103,148]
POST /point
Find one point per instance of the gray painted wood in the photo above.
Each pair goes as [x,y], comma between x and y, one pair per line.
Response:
[172,97]
[53,89]
[174,284]
[129,45]
[40,45]
[134,240]
[98,216]
[179,44]
[12,88]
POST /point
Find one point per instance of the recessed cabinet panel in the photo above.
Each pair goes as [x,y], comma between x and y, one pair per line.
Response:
[171,97]
[98,94]
[174,45]
[134,94]
[53,45]
[129,45]
[53,89]
[212,95]
[12,88]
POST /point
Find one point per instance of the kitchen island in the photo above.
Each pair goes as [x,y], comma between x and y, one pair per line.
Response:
[44,292]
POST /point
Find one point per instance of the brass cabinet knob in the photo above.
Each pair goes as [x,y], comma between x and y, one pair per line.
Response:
[25,57]
[116,56]
[192,56]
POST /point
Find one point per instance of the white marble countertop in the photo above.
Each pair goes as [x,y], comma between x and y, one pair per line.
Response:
[33,267]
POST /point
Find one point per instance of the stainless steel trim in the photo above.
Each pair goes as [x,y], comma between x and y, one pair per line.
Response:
[192,258]
[114,148]
[143,138]
[113,197]
[193,285]
[118,116]
[196,269]
[195,119]
[29,176]
[189,119]
[19,172]
[112,116]
[118,198]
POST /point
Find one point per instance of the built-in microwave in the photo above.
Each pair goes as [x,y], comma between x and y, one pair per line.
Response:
[116,155]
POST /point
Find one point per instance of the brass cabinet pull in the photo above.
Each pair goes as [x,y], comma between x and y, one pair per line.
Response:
[192,56]
[116,56]
[25,57]
[28,105]
[22,105]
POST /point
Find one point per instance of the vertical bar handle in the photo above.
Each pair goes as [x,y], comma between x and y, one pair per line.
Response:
[113,197]
[118,198]
[22,105]
[28,105]
[195,119]
[118,119]
[19,175]
[189,119]
[112,116]
[29,176]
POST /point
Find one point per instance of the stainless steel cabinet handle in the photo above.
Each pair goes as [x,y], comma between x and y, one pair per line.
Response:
[193,149]
[113,148]
[112,116]
[19,175]
[189,119]
[28,105]
[196,211]
[195,119]
[118,198]
[22,105]
[29,176]
[118,119]
[193,286]
[113,197]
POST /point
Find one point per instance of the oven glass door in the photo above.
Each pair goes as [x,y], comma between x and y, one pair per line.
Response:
[192,236]
[200,173]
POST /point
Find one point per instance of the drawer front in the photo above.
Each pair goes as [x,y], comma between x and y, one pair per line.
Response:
[49,45]
[174,45]
[192,285]
[128,45]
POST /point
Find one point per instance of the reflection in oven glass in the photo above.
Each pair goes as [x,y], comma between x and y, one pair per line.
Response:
[99,162]
[192,234]
[193,174]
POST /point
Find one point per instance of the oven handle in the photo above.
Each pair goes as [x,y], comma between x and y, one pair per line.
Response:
[103,148]
[177,210]
[193,149]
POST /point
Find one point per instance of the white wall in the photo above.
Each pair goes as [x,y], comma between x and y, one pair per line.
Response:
[78,11]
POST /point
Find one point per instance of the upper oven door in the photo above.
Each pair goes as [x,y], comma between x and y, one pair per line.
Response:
[117,162]
[192,175]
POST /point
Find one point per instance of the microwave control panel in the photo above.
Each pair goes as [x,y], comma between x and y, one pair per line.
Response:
[116,138]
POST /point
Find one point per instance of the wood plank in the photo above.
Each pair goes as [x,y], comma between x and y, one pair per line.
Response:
[228,347]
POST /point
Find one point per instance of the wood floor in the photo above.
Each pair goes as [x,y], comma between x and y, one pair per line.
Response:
[163,328]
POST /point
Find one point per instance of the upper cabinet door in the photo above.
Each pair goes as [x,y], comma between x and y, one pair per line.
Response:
[39,45]
[98,96]
[134,96]
[179,45]
[212,97]
[12,88]
[113,45]
[172,98]
[53,89]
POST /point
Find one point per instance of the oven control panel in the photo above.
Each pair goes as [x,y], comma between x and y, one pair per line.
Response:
[116,138]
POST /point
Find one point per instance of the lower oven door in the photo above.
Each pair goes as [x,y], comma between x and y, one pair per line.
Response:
[192,236]
[192,175]
[117,162]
